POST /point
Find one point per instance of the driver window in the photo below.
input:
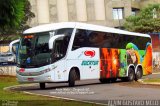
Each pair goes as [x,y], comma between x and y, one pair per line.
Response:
[60,45]
[59,49]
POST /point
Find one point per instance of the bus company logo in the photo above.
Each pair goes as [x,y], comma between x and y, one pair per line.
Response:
[86,63]
[90,53]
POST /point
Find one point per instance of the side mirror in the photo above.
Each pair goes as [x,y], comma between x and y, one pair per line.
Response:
[15,42]
[52,39]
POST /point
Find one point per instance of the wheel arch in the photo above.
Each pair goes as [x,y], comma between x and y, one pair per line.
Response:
[77,72]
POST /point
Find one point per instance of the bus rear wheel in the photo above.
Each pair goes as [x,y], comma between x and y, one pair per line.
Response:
[104,80]
[138,74]
[72,78]
[42,85]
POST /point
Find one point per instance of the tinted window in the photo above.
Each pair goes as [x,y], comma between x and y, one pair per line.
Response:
[60,45]
[88,38]
[66,31]
[80,40]
[34,50]
[42,43]
[140,42]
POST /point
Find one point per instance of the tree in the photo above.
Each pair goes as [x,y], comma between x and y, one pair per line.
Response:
[27,17]
[14,15]
[147,21]
[11,13]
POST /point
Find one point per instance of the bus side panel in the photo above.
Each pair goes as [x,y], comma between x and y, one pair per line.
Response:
[123,63]
[140,57]
[109,63]
[147,60]
[86,59]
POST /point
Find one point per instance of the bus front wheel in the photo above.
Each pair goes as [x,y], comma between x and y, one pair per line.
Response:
[42,85]
[72,78]
[113,79]
[131,74]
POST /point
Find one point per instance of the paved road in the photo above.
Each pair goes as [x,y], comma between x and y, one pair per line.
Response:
[94,91]
[152,76]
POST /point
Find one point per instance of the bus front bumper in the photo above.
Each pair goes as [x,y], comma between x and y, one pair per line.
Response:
[47,77]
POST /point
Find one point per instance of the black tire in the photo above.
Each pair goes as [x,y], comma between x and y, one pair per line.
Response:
[124,79]
[113,79]
[42,85]
[104,80]
[72,78]
[131,75]
[138,74]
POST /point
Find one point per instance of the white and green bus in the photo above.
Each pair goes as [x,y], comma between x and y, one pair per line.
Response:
[71,51]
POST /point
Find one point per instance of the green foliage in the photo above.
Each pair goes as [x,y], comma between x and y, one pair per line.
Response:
[14,15]
[148,20]
[11,14]
[27,17]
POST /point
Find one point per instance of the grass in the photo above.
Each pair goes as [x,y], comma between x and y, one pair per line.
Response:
[157,80]
[20,99]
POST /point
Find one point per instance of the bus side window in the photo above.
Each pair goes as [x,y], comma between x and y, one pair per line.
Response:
[108,41]
[80,39]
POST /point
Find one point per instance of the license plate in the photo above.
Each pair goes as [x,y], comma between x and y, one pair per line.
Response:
[30,79]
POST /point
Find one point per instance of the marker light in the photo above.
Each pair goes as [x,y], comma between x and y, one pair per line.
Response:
[28,36]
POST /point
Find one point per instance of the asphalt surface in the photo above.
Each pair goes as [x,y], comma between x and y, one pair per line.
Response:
[152,76]
[94,91]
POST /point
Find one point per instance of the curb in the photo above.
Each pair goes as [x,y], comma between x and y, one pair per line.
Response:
[17,86]
[57,97]
[156,73]
[148,83]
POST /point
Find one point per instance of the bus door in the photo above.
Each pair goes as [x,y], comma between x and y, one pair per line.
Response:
[87,60]
[58,52]
[90,63]
[85,55]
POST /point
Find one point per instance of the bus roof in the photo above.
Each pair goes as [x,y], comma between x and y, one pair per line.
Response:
[54,26]
[50,27]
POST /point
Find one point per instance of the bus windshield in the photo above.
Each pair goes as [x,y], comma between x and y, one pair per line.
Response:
[34,48]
